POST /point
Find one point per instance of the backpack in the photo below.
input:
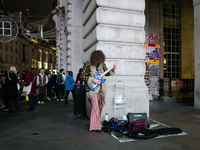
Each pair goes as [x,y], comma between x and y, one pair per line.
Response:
[59,79]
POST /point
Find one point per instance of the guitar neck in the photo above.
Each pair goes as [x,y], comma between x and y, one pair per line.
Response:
[103,74]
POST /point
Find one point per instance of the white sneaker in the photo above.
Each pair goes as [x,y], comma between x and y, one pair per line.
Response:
[39,102]
[42,102]
[48,98]
[57,99]
[62,100]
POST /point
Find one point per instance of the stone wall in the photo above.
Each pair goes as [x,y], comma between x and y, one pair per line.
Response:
[187,39]
[117,28]
[197,52]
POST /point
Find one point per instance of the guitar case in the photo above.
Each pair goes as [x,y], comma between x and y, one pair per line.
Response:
[79,100]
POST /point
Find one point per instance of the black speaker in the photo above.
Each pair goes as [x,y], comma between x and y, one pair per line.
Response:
[79,100]
[133,116]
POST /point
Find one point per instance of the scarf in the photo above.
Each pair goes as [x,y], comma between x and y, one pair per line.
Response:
[101,99]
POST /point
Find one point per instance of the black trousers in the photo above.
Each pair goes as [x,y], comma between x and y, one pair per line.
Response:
[60,91]
[67,94]
[49,91]
[10,101]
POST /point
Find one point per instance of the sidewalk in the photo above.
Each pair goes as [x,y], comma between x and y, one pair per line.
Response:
[53,126]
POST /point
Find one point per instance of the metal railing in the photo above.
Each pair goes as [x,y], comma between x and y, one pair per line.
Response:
[166,90]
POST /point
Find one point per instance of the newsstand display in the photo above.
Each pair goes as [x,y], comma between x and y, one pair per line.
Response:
[151,76]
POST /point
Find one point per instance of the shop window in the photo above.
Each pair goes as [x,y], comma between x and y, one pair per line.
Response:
[171,39]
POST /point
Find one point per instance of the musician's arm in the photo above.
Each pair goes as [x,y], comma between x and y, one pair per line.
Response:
[109,73]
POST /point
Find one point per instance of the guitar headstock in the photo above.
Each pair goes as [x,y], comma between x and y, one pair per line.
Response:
[121,61]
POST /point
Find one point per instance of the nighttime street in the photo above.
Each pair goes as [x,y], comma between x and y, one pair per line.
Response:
[99,75]
[53,126]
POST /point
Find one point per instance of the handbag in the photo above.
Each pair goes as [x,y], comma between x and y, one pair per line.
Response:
[27,89]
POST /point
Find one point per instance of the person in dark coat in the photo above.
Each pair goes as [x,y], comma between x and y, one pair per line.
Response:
[50,86]
[11,89]
[54,88]
[78,76]
[31,78]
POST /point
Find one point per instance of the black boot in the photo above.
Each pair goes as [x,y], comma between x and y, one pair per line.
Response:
[19,110]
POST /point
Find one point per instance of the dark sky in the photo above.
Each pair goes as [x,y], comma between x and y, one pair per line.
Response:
[38,9]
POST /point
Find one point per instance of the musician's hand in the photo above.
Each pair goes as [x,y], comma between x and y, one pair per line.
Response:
[114,67]
[96,81]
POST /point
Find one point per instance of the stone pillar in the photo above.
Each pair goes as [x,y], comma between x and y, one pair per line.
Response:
[74,35]
[196,4]
[117,28]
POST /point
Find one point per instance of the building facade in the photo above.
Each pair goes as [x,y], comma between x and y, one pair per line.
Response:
[24,52]
[104,27]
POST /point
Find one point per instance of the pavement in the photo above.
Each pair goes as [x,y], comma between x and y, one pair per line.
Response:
[53,126]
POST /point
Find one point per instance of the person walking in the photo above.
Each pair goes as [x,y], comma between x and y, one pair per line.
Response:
[42,80]
[90,68]
[11,88]
[60,80]
[69,82]
[31,78]
[50,86]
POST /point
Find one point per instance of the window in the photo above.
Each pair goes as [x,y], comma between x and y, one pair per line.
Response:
[6,59]
[6,47]
[0,45]
[11,59]
[1,57]
[5,28]
[171,30]
[24,53]
[16,61]
[11,49]
[50,58]
[15,50]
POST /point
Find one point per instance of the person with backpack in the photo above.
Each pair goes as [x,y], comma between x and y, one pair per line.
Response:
[60,80]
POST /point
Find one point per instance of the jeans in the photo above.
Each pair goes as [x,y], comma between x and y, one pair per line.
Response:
[61,91]
[67,94]
[32,102]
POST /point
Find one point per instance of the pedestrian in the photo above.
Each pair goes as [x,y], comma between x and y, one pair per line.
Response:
[55,87]
[4,106]
[90,68]
[42,81]
[69,84]
[60,80]
[11,88]
[78,76]
[31,78]
[50,86]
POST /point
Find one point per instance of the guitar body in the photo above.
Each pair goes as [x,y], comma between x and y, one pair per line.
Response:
[100,76]
[94,86]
